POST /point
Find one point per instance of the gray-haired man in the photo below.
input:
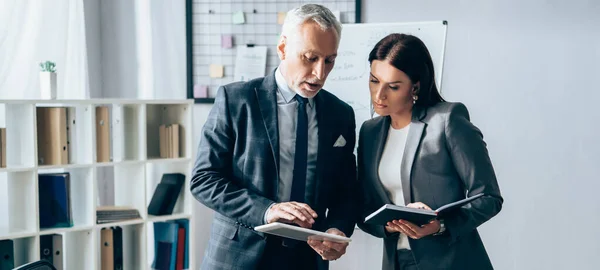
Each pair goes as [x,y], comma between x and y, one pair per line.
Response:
[280,149]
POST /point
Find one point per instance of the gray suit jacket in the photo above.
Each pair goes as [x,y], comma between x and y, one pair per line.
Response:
[444,159]
[237,169]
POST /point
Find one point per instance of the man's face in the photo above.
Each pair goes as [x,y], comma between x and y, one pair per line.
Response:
[307,58]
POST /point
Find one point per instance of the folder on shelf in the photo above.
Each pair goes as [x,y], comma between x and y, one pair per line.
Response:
[57,250]
[166,193]
[102,134]
[7,260]
[185,225]
[52,136]
[107,261]
[2,147]
[180,249]
[47,248]
[118,247]
[54,202]
[165,232]
[163,256]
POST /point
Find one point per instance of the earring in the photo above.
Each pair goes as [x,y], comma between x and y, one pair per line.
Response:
[415,98]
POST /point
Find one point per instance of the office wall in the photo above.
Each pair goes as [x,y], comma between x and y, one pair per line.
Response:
[527,70]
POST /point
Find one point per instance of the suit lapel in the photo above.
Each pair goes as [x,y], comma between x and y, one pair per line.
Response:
[267,101]
[380,139]
[412,144]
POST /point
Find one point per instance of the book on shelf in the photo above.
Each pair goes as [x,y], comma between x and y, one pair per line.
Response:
[166,193]
[54,200]
[168,138]
[2,147]
[109,214]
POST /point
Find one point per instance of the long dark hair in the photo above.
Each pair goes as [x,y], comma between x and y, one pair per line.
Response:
[410,55]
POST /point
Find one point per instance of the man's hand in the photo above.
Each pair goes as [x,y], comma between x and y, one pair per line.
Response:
[329,250]
[292,212]
[410,229]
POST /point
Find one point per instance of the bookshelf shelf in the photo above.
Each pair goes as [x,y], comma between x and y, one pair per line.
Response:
[128,178]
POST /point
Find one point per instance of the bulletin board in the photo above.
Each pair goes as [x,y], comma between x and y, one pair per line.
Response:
[210,23]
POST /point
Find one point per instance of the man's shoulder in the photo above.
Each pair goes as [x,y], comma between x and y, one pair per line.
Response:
[333,101]
[242,88]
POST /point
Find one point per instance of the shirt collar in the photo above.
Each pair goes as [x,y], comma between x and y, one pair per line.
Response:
[285,91]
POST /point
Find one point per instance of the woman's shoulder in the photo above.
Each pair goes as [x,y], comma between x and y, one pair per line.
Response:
[372,123]
[445,110]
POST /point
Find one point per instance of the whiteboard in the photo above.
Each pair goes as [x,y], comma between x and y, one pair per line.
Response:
[349,79]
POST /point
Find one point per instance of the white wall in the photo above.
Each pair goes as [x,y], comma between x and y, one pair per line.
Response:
[527,72]
[141,46]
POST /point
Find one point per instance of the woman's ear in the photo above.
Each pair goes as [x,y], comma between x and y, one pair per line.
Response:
[416,88]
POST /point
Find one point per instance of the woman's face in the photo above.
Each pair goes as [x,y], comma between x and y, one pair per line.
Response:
[391,89]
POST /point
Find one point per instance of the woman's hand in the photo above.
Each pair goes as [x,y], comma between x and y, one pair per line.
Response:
[411,230]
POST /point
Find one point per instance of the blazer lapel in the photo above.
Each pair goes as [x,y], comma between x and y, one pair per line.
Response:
[267,101]
[380,139]
[412,144]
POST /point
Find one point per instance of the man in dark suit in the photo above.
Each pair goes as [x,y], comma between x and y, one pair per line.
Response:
[280,149]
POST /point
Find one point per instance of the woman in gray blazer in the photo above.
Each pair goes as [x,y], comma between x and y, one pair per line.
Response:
[423,152]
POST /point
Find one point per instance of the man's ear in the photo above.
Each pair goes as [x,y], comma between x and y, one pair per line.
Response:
[281,47]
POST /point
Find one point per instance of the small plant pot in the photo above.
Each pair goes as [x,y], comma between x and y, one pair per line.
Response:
[47,85]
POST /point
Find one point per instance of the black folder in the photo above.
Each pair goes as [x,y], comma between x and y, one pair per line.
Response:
[166,194]
[7,260]
[118,247]
[54,202]
[419,217]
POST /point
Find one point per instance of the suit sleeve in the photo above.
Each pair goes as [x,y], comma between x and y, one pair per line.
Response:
[375,230]
[474,167]
[212,182]
[342,210]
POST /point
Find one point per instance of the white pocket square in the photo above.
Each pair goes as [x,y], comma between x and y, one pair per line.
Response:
[341,142]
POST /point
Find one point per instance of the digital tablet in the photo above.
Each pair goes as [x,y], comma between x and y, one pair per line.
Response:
[299,233]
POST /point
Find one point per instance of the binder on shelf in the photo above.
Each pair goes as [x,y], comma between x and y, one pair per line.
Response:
[163,256]
[166,193]
[52,136]
[102,134]
[165,232]
[118,247]
[47,248]
[57,250]
[107,259]
[54,202]
[2,147]
[184,224]
[7,253]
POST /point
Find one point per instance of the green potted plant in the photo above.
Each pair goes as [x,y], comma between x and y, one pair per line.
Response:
[47,80]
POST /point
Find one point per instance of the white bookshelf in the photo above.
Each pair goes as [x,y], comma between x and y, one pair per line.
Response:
[131,176]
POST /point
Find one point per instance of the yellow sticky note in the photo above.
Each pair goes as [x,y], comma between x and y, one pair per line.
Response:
[216,71]
[238,17]
[281,17]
